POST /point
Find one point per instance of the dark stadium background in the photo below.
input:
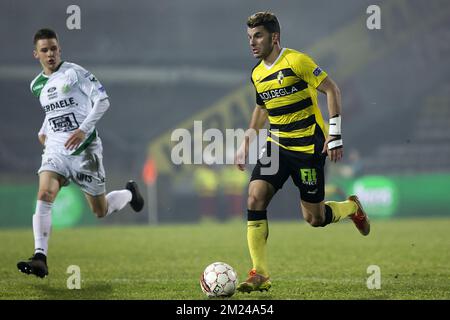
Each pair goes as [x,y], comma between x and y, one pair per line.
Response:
[165,63]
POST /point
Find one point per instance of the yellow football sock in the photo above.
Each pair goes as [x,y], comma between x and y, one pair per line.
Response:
[257,233]
[341,209]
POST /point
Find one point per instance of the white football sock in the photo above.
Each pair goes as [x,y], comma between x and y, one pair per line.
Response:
[42,223]
[117,200]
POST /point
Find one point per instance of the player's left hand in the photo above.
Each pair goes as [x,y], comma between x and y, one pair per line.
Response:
[75,139]
[334,154]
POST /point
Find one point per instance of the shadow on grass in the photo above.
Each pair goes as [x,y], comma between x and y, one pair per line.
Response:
[91,291]
[246,296]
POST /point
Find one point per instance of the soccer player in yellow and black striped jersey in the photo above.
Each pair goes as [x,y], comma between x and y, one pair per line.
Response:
[286,83]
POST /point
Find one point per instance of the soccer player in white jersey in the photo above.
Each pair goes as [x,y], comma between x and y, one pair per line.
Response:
[73,101]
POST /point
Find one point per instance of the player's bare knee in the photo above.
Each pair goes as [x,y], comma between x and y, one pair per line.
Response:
[99,212]
[255,203]
[46,195]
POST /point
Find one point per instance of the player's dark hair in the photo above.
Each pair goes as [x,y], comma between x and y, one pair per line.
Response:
[266,19]
[44,34]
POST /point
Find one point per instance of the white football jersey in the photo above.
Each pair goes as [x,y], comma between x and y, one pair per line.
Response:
[67,97]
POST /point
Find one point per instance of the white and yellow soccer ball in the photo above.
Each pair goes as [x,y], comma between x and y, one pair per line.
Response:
[219,280]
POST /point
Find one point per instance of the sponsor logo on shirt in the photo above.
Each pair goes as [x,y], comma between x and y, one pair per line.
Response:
[52,95]
[267,95]
[64,123]
[61,104]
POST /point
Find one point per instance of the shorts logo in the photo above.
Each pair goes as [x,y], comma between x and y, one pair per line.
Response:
[308,176]
[317,71]
[84,177]
[50,162]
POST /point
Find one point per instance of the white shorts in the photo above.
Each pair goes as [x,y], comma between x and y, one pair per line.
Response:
[86,169]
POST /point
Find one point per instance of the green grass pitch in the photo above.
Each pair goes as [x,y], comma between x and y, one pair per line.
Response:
[165,262]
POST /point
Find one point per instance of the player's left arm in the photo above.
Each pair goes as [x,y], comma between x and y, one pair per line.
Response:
[333,144]
[78,136]
[89,84]
[305,67]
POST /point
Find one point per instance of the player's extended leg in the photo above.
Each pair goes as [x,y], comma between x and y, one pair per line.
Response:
[102,205]
[260,194]
[323,213]
[99,205]
[49,186]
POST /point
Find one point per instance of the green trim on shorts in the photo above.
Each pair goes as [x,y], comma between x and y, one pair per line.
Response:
[85,144]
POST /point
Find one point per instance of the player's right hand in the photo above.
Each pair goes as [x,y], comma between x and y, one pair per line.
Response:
[42,138]
[241,155]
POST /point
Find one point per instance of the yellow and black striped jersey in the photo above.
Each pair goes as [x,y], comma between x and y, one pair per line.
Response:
[287,89]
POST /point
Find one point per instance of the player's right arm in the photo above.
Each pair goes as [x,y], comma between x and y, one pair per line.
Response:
[42,134]
[42,138]
[259,118]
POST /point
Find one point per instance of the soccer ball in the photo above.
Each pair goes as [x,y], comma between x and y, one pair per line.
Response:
[218,280]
